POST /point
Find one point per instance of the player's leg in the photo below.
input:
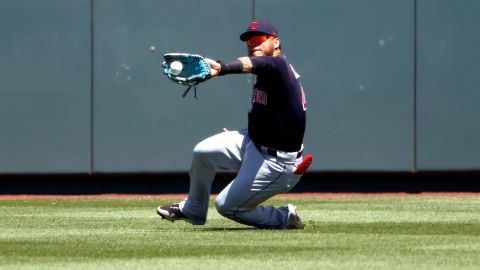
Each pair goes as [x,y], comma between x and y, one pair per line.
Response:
[219,152]
[260,178]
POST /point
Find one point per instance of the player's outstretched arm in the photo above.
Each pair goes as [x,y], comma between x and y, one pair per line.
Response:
[246,64]
[241,65]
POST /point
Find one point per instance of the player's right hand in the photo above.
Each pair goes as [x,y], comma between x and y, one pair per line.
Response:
[214,67]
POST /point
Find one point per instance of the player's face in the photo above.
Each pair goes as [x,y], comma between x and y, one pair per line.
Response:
[261,45]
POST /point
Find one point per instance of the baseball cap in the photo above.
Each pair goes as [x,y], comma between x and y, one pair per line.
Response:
[259,26]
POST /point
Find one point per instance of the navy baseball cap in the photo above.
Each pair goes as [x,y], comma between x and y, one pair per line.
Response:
[259,27]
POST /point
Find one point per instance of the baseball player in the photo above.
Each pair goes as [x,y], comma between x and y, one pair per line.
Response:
[267,156]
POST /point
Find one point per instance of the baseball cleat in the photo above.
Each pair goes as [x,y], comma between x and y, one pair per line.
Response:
[296,221]
[172,213]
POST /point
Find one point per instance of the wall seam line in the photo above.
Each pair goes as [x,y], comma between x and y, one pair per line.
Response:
[92,86]
[415,63]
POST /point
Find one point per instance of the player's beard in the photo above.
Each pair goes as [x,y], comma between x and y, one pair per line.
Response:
[260,53]
[256,53]
[265,49]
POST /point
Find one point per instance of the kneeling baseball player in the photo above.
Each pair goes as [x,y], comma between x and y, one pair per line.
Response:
[267,155]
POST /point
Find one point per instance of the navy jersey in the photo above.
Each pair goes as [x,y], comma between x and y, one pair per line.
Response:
[277,117]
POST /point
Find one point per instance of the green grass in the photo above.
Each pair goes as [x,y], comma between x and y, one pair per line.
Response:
[366,232]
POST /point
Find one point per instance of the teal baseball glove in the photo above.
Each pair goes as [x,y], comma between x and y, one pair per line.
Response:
[186,69]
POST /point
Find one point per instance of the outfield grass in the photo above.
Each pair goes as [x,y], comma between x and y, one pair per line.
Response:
[360,232]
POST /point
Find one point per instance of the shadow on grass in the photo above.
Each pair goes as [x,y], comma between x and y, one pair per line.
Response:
[230,229]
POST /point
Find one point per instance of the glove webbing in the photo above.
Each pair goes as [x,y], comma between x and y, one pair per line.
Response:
[194,91]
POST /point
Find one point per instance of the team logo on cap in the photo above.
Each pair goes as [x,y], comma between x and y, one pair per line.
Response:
[254,25]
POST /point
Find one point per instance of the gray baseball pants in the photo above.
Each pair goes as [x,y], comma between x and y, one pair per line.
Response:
[259,177]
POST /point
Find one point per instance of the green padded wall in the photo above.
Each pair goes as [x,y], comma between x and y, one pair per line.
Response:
[391,84]
[448,96]
[45,88]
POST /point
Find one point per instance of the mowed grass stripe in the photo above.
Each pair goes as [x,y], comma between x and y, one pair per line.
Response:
[384,232]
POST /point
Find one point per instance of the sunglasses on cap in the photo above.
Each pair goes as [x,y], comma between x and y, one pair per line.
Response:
[257,40]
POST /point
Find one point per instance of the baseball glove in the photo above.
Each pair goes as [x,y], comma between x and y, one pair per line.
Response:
[192,70]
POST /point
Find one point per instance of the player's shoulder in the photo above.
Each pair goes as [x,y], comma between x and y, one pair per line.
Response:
[282,62]
[280,59]
[272,64]
[273,59]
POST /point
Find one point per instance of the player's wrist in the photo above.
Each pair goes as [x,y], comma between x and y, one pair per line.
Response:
[230,68]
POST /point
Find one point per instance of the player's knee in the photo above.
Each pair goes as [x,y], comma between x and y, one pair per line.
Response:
[200,152]
[223,208]
[205,153]
[202,149]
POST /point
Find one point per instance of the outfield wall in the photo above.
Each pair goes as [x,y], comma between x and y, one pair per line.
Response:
[391,85]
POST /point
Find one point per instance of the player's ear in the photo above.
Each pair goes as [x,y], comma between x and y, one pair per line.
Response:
[276,43]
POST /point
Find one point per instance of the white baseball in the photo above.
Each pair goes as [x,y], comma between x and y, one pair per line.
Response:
[176,67]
